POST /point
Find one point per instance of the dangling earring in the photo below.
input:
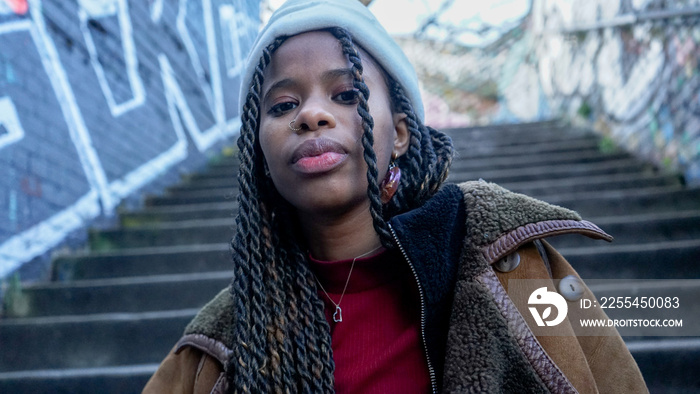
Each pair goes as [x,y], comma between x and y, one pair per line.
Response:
[391,181]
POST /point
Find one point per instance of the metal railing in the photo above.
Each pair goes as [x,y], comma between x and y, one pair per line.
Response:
[634,18]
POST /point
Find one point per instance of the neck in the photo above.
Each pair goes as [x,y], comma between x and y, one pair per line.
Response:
[341,237]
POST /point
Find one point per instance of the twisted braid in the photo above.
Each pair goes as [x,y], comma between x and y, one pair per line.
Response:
[375,209]
[248,369]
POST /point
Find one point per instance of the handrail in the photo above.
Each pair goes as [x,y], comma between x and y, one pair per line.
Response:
[631,19]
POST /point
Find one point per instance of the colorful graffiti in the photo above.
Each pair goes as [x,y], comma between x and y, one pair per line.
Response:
[626,68]
[100,97]
[637,82]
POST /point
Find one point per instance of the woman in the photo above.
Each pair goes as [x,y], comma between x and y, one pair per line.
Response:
[355,268]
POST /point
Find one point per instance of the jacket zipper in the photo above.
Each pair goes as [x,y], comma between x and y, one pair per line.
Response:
[431,370]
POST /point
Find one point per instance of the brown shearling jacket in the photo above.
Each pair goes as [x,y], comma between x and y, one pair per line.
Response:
[477,337]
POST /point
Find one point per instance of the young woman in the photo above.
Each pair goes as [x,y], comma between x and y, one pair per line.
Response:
[355,268]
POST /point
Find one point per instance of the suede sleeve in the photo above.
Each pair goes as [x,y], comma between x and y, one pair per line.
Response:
[188,371]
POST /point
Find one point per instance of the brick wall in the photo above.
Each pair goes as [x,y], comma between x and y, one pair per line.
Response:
[101,98]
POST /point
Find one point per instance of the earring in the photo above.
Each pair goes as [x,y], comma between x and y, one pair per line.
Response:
[291,126]
[266,169]
[391,181]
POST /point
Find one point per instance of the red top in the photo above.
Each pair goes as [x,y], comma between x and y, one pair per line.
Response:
[377,347]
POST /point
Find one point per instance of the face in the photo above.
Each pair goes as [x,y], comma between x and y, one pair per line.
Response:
[320,168]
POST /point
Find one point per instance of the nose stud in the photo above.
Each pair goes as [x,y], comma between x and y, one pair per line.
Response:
[291,126]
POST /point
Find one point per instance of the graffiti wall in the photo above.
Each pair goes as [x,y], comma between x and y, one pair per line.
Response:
[628,67]
[100,97]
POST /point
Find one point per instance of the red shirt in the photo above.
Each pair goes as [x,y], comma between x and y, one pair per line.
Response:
[377,347]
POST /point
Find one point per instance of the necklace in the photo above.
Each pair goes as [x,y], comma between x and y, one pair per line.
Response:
[338,314]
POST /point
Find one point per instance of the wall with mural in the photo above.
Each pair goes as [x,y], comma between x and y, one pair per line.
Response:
[100,97]
[629,68]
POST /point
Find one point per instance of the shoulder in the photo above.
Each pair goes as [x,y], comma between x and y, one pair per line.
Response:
[210,330]
[499,221]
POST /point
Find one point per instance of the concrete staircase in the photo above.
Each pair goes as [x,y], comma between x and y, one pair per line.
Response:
[113,313]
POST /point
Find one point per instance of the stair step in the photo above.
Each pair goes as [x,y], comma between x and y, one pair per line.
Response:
[143,262]
[467,138]
[658,260]
[471,136]
[184,232]
[554,159]
[551,172]
[587,183]
[633,229]
[629,202]
[151,215]
[229,182]
[194,197]
[538,148]
[104,380]
[130,294]
[99,340]
[668,364]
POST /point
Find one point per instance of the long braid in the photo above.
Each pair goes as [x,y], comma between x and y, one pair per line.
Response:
[276,329]
[312,342]
[380,225]
[248,366]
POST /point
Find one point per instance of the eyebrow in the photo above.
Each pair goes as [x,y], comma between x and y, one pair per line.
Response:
[326,76]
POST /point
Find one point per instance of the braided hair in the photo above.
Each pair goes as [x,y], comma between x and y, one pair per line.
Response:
[281,339]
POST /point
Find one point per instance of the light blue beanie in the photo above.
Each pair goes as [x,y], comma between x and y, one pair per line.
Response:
[298,16]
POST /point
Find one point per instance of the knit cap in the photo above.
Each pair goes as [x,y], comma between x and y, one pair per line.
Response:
[298,16]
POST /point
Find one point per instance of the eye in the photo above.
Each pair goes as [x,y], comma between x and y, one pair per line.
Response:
[349,96]
[281,108]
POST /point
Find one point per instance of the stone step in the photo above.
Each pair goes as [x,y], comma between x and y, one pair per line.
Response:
[472,151]
[551,172]
[508,162]
[633,229]
[183,232]
[649,260]
[629,202]
[464,139]
[104,380]
[143,262]
[129,294]
[194,197]
[596,182]
[98,340]
[152,215]
[668,364]
[226,182]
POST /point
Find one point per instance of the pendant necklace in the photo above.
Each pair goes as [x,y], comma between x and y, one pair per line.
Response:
[338,314]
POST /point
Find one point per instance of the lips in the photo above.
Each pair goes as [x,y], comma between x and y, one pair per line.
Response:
[316,147]
[317,155]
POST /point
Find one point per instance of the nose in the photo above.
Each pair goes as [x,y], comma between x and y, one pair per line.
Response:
[314,114]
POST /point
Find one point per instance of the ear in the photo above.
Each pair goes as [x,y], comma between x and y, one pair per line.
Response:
[402,137]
